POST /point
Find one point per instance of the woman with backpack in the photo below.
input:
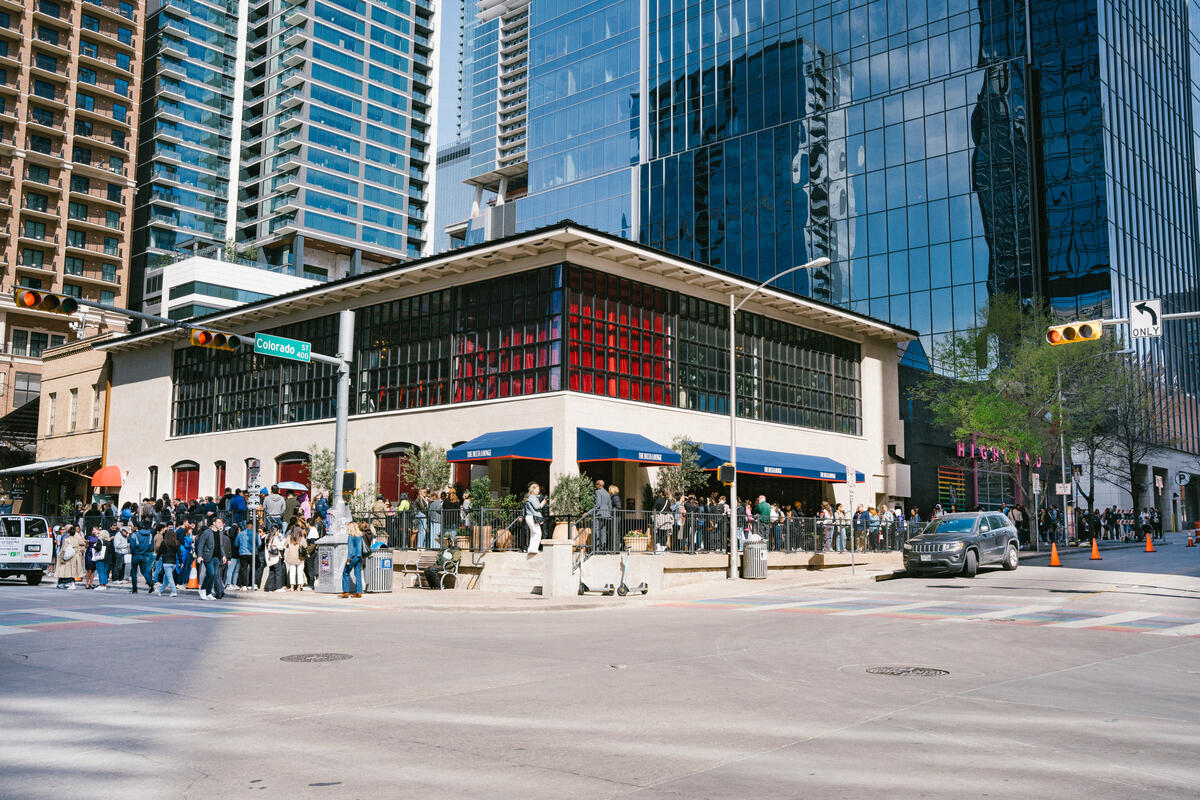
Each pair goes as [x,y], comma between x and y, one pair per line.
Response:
[293,558]
[168,551]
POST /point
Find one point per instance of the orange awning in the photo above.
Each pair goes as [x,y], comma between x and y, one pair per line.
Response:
[107,476]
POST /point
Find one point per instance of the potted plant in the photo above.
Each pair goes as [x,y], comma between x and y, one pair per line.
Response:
[637,541]
[462,538]
[571,498]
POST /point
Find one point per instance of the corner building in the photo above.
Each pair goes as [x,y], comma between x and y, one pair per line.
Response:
[69,89]
[523,353]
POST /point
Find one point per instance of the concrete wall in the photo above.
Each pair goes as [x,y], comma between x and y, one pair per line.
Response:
[72,366]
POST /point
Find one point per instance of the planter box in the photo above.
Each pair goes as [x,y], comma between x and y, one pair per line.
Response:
[462,542]
[637,544]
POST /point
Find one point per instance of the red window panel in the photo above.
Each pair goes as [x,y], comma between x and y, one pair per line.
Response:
[187,483]
[220,478]
[292,471]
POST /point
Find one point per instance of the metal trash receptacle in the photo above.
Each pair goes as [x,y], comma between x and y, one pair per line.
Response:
[377,570]
[331,559]
[754,560]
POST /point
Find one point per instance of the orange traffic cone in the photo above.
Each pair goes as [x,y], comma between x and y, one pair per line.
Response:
[193,578]
[1190,542]
[1054,562]
[1095,551]
[1149,544]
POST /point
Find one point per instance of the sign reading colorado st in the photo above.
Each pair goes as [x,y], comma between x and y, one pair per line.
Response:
[278,346]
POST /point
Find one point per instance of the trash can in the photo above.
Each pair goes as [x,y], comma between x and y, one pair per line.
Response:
[331,559]
[377,570]
[754,560]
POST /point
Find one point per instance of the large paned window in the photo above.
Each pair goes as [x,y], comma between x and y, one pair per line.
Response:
[508,340]
[404,353]
[618,337]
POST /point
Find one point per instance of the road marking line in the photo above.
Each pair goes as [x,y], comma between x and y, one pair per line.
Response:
[862,612]
[1181,630]
[84,617]
[820,602]
[177,610]
[1097,622]
[1004,613]
[7,629]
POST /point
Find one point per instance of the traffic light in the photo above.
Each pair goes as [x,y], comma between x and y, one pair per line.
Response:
[34,300]
[1074,332]
[725,473]
[215,340]
[349,481]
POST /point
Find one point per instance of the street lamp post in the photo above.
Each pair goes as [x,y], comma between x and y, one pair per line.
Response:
[816,263]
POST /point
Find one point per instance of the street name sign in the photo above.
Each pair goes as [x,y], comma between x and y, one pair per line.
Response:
[1063,489]
[278,346]
[1145,319]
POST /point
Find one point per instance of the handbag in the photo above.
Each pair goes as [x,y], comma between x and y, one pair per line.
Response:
[98,553]
[67,553]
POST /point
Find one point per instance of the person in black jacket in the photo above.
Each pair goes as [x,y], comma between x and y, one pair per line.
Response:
[206,549]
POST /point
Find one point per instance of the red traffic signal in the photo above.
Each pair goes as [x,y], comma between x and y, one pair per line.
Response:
[33,300]
[1075,332]
[215,339]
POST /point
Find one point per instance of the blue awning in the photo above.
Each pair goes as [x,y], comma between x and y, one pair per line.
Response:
[535,444]
[597,445]
[752,461]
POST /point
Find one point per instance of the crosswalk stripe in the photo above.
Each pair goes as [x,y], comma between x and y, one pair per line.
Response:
[179,610]
[1098,622]
[1003,613]
[82,616]
[7,629]
[778,606]
[862,612]
[1181,630]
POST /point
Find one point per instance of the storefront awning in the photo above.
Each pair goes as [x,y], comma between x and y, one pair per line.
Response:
[45,466]
[535,444]
[597,445]
[774,463]
[107,476]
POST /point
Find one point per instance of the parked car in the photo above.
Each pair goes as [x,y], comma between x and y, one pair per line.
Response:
[961,543]
[26,547]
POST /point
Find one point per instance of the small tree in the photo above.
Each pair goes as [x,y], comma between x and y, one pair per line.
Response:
[426,467]
[687,475]
[320,469]
[360,502]
[572,496]
[1133,433]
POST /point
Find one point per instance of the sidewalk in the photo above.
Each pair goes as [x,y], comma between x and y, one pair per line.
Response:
[409,599]
[1106,545]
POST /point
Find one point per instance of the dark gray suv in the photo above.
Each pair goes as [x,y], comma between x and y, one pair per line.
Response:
[961,543]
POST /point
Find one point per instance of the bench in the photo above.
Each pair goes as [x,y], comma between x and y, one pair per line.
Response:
[423,559]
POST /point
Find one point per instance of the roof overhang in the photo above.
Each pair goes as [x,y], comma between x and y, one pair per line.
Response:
[564,240]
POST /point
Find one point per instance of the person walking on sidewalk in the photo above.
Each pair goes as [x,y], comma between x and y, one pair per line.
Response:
[141,549]
[354,560]
[247,542]
[168,553]
[293,558]
[206,548]
[70,557]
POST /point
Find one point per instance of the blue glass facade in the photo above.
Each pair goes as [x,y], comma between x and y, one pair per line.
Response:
[937,151]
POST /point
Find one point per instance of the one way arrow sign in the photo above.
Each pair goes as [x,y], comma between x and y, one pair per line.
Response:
[1145,319]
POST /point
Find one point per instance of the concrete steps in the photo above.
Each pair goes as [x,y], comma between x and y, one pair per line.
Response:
[519,573]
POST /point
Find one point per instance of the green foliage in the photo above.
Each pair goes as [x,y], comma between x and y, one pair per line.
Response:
[685,477]
[426,467]
[480,492]
[572,496]
[320,469]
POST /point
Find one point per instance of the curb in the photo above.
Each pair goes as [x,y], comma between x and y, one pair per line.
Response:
[1087,549]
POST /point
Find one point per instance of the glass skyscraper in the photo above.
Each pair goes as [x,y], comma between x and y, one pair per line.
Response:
[337,156]
[187,134]
[937,151]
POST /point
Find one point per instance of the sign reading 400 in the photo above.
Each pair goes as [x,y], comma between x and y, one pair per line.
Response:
[291,349]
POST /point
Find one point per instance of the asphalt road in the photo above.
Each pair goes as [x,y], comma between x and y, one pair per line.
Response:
[1063,683]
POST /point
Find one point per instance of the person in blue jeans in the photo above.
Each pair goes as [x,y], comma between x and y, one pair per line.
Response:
[141,548]
[354,560]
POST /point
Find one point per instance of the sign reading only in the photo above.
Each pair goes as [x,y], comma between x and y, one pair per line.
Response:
[278,346]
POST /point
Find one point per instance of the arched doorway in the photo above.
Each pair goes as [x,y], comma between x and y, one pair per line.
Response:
[388,474]
[186,483]
[292,467]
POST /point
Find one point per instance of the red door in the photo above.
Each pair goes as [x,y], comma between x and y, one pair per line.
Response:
[187,482]
[389,479]
[292,471]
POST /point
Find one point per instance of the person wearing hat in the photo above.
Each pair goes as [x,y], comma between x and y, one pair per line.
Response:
[447,561]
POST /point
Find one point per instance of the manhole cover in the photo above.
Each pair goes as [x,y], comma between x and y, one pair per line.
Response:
[916,672]
[316,658]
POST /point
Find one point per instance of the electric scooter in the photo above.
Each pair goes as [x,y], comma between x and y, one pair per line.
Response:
[624,589]
[607,589]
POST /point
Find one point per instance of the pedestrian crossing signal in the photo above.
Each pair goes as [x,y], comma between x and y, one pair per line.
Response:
[1074,332]
[215,340]
[725,473]
[33,300]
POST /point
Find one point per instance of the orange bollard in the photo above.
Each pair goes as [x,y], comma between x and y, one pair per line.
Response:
[1149,544]
[1054,562]
[193,578]
[1095,551]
